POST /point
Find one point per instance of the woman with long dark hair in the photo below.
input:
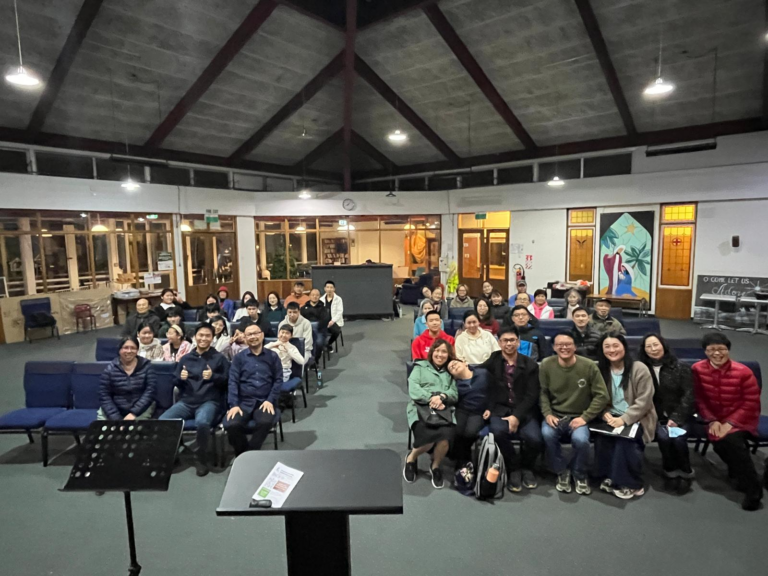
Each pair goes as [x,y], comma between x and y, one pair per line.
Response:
[674,402]
[630,386]
[210,301]
[430,414]
[241,311]
[485,315]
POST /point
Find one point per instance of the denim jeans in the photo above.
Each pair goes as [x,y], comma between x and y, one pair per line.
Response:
[529,434]
[620,459]
[205,415]
[674,453]
[579,443]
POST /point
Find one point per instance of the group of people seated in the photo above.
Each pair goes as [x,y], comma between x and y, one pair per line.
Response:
[236,377]
[508,382]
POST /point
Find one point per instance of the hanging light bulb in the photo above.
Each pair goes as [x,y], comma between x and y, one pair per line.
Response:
[658,87]
[185,228]
[20,76]
[130,185]
[305,195]
[300,228]
[99,228]
[556,182]
[397,136]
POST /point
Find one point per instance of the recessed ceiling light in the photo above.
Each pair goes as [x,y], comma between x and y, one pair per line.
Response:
[556,182]
[397,136]
[659,88]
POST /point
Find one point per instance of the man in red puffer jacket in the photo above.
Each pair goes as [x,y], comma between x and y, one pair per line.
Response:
[728,400]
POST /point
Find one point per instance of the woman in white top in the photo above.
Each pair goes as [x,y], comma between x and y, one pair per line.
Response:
[474,345]
[288,352]
[335,305]
[149,346]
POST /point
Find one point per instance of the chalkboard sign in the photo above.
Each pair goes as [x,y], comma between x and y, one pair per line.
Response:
[729,285]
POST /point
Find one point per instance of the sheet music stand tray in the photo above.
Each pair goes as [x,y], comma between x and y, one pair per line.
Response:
[126,456]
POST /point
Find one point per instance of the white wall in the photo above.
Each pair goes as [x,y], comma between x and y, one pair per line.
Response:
[246,253]
[543,235]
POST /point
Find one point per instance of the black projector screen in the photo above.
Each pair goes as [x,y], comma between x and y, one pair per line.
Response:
[365,289]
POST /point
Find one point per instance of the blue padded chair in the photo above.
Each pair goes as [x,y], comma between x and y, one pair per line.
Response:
[274,326]
[47,392]
[641,326]
[289,388]
[686,348]
[164,395]
[410,294]
[452,326]
[457,313]
[107,349]
[552,327]
[633,343]
[617,313]
[85,404]
[31,309]
[556,302]
[277,423]
[190,315]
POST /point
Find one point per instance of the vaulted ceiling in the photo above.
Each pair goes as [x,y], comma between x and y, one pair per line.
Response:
[263,84]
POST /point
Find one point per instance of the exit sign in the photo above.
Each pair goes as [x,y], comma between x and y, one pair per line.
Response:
[481,216]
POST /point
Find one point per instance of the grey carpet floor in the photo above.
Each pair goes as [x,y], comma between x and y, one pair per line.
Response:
[542,532]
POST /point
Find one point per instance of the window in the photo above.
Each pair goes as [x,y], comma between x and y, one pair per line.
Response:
[677,233]
[167,175]
[64,165]
[516,175]
[564,169]
[581,244]
[13,161]
[608,165]
[486,220]
[209,179]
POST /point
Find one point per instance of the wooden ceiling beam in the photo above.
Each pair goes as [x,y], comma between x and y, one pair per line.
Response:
[226,54]
[328,73]
[604,58]
[473,68]
[83,21]
[375,81]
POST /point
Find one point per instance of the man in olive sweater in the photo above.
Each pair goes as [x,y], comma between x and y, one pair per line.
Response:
[572,393]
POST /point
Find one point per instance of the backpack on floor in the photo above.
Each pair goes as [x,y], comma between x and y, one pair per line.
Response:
[488,456]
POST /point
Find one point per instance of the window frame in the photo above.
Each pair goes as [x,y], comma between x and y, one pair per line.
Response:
[672,223]
[569,226]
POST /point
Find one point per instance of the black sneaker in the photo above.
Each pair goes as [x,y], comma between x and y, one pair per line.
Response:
[684,486]
[409,471]
[671,484]
[201,467]
[437,478]
[750,503]
[529,480]
[515,481]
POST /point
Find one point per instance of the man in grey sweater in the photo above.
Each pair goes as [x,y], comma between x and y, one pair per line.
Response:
[302,328]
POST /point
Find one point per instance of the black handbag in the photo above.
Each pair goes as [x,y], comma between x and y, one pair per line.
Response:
[434,418]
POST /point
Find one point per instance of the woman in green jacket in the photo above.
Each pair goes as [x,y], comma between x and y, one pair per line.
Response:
[431,385]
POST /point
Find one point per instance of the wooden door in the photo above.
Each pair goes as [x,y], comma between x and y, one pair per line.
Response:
[497,260]
[484,256]
[224,257]
[471,270]
[210,261]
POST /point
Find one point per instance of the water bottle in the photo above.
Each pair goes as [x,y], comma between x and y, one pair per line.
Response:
[319,378]
[493,474]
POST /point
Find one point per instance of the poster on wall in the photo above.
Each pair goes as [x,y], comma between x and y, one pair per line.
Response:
[730,314]
[626,253]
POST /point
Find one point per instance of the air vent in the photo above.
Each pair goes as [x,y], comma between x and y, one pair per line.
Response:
[682,148]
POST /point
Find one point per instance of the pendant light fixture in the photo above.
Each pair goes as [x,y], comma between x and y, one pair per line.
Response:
[397,137]
[305,195]
[659,87]
[99,227]
[556,182]
[20,76]
[185,228]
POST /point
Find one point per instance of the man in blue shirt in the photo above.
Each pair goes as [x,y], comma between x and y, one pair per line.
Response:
[255,378]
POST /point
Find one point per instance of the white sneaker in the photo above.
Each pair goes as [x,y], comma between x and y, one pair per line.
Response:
[607,485]
[628,493]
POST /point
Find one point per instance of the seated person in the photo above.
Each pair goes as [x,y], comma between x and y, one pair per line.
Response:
[167,302]
[484,314]
[209,311]
[573,393]
[438,304]
[174,317]
[241,311]
[300,325]
[499,308]
[201,378]
[220,341]
[421,345]
[572,301]
[143,315]
[180,302]
[602,321]
[255,378]
[673,399]
[287,352]
[335,306]
[255,317]
[462,299]
[728,400]
[522,299]
[315,311]
[273,309]
[149,346]
[487,290]
[227,306]
[127,386]
[585,337]
[472,384]
[619,461]
[513,409]
[420,324]
[426,293]
[430,386]
[177,345]
[540,309]
[538,347]
[474,345]
[522,288]
[297,295]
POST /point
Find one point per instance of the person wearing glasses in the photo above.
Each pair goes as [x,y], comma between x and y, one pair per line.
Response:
[728,401]
[513,410]
[573,392]
[255,377]
[533,342]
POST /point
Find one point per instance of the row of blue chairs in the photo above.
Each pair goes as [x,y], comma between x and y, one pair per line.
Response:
[458,313]
[62,397]
[697,432]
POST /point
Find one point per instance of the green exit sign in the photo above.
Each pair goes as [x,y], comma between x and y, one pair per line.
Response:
[481,216]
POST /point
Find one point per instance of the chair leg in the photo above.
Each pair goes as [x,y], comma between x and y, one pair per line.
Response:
[304,397]
[280,425]
[31,438]
[293,406]
[44,445]
[705,448]
[341,337]
[77,439]
[274,433]
[214,449]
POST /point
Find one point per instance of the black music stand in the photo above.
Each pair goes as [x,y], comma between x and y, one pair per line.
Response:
[126,456]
